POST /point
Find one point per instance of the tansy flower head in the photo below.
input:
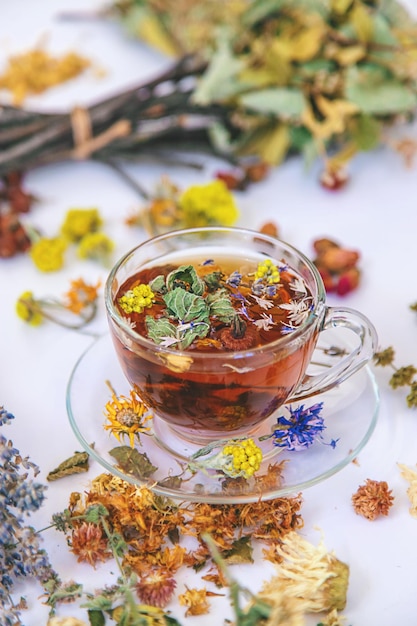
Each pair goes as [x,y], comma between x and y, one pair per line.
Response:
[28,310]
[236,458]
[48,254]
[95,246]
[209,204]
[127,416]
[137,299]
[80,222]
[268,272]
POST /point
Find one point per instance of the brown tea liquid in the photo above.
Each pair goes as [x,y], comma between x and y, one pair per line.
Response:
[218,386]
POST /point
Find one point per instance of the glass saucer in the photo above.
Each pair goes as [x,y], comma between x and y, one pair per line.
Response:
[350,414]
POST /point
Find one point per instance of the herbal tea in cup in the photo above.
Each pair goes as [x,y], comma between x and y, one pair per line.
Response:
[215,328]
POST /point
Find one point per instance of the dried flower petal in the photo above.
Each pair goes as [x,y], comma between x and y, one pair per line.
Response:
[410,475]
[372,499]
[196,600]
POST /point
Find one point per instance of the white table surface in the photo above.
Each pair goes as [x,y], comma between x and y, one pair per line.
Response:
[375,214]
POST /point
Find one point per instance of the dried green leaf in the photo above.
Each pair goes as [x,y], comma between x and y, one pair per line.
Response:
[161,330]
[186,306]
[133,462]
[366,131]
[377,97]
[186,276]
[220,81]
[76,464]
[241,552]
[221,306]
[284,102]
[96,618]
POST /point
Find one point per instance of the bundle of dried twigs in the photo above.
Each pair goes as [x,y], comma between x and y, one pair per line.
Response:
[149,120]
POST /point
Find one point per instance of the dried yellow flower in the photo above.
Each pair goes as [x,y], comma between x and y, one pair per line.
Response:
[196,600]
[35,71]
[410,475]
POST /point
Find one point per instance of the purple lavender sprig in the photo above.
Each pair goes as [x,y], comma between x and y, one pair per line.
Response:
[20,551]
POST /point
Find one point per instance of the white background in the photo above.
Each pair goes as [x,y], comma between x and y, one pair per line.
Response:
[375,214]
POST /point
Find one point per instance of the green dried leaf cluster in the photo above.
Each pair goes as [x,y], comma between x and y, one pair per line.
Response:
[188,309]
[317,77]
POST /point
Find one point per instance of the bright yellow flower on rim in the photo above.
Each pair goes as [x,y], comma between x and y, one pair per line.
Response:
[210,204]
[127,417]
[48,254]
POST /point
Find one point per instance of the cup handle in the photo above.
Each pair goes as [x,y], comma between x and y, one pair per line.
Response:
[340,317]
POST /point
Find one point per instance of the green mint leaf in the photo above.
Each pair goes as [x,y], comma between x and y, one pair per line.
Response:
[185,276]
[186,306]
[159,330]
[158,285]
[221,306]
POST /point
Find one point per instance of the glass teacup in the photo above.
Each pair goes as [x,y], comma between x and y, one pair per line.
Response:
[216,327]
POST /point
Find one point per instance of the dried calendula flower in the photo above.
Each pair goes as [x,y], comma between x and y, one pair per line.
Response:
[126,416]
[410,475]
[309,573]
[373,499]
[196,600]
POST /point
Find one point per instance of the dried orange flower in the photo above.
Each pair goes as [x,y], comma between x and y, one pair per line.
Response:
[127,416]
[196,600]
[88,544]
[156,588]
[80,295]
[410,475]
[372,499]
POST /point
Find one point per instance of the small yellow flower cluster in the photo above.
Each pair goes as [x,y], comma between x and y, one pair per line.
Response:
[80,222]
[80,227]
[137,299]
[28,310]
[48,254]
[268,271]
[245,458]
[210,204]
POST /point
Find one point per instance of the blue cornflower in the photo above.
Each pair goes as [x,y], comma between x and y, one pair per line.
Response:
[5,416]
[234,279]
[300,429]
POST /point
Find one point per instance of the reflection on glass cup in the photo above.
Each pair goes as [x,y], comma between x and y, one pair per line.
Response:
[215,328]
